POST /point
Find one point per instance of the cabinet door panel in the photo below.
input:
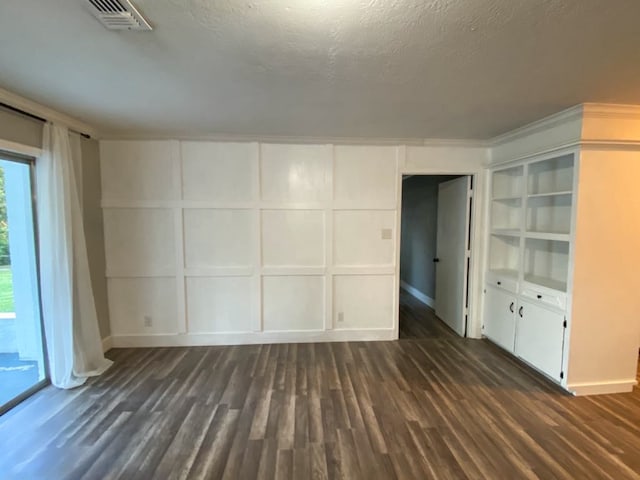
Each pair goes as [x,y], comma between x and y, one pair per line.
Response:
[499,317]
[540,337]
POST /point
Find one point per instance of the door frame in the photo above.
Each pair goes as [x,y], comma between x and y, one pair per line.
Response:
[466,239]
[477,258]
[27,155]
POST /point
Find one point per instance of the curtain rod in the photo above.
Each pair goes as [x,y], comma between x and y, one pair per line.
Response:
[36,117]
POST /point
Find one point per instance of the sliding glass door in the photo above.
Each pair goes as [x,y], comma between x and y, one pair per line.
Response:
[22,360]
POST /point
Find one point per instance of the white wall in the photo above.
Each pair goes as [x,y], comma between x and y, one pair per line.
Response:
[251,242]
[603,352]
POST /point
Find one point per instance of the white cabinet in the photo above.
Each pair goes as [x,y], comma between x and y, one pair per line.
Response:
[529,259]
[499,317]
[530,331]
[540,338]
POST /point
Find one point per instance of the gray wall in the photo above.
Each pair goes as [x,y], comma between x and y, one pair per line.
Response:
[20,129]
[419,230]
[93,229]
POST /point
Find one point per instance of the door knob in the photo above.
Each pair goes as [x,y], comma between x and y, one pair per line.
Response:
[511,307]
[520,311]
[436,260]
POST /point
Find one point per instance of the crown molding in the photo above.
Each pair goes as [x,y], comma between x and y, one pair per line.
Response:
[306,140]
[280,139]
[627,145]
[610,110]
[45,112]
[546,123]
[460,143]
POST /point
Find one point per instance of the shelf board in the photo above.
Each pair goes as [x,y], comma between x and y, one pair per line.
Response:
[550,194]
[507,199]
[561,237]
[506,232]
[546,282]
[505,272]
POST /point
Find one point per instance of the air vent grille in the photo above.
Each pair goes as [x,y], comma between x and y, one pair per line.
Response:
[118,15]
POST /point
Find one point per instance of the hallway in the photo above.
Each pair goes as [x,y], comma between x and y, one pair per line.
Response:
[418,321]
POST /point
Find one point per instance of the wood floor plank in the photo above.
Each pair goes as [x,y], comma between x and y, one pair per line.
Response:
[431,405]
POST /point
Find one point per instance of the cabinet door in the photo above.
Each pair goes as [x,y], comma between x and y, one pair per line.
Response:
[499,317]
[540,338]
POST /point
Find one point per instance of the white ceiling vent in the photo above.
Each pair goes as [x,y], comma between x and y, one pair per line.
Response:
[118,15]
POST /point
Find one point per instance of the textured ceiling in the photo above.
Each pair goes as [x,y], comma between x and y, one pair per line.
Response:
[340,68]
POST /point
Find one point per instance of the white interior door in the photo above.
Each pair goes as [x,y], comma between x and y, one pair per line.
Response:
[451,248]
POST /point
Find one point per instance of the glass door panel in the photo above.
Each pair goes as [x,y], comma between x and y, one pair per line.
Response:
[22,359]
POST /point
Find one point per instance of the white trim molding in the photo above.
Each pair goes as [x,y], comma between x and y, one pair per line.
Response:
[611,110]
[596,125]
[602,388]
[107,344]
[251,338]
[427,300]
[19,148]
[541,125]
[304,140]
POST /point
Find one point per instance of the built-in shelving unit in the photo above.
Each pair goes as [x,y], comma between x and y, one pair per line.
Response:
[530,231]
[531,215]
[549,213]
[507,195]
[546,262]
[562,257]
[552,176]
[507,183]
[504,254]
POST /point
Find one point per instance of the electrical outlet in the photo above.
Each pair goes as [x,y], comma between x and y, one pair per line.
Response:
[386,233]
[148,321]
[340,316]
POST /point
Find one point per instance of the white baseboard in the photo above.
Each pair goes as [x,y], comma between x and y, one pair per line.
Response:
[250,338]
[601,388]
[430,302]
[107,343]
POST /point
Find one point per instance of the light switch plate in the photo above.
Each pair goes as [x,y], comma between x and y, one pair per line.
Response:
[386,233]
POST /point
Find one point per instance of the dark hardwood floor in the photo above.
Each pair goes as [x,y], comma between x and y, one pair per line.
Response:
[437,406]
[417,321]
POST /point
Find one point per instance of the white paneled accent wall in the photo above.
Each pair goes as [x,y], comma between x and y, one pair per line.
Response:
[212,242]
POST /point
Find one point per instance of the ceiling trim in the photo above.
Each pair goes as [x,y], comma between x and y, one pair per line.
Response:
[545,123]
[285,139]
[610,110]
[631,145]
[43,111]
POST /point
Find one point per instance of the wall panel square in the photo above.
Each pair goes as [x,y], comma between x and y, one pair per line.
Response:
[364,237]
[220,304]
[365,177]
[133,299]
[139,240]
[219,172]
[293,237]
[293,303]
[363,301]
[138,171]
[218,238]
[295,173]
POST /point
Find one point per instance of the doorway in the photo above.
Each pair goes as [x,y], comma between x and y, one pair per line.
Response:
[23,367]
[435,255]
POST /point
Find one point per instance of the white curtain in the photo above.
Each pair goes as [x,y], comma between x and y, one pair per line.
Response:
[73,340]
